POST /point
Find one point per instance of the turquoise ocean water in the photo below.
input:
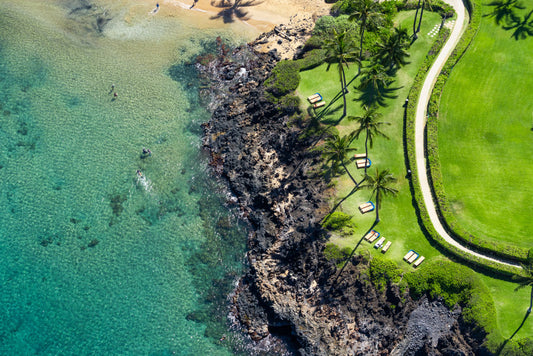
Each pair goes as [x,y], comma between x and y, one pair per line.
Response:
[94,259]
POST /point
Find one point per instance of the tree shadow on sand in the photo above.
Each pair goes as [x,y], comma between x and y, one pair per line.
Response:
[233,9]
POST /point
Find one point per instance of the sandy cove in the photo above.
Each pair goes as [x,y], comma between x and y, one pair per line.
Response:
[261,15]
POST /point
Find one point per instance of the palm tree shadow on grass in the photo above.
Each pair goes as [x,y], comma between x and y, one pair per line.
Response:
[504,10]
[504,13]
[329,112]
[321,133]
[502,346]
[522,29]
[349,258]
[233,9]
[370,96]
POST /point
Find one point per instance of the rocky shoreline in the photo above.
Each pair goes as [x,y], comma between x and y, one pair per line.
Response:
[291,290]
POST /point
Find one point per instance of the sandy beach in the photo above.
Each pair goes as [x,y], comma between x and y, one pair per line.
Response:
[261,15]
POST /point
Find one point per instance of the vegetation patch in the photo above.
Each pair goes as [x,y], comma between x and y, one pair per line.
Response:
[456,284]
[500,233]
[383,272]
[335,254]
[463,44]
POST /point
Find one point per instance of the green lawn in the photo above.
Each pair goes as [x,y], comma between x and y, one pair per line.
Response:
[398,218]
[486,137]
[511,307]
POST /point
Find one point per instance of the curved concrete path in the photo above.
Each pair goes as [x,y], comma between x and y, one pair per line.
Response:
[420,124]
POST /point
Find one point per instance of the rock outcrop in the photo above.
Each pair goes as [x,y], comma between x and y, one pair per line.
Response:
[290,289]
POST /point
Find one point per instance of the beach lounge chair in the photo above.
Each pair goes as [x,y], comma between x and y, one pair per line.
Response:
[419,261]
[412,258]
[372,235]
[362,162]
[366,207]
[363,206]
[386,247]
[408,255]
[379,243]
[359,155]
[314,98]
[319,104]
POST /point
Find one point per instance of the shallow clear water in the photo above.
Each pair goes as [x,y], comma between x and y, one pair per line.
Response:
[94,258]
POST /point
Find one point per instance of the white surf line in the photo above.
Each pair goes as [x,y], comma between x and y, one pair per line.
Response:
[420,123]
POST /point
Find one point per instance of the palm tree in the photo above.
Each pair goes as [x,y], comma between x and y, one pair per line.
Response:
[366,12]
[336,149]
[526,280]
[368,122]
[375,77]
[504,10]
[340,49]
[416,28]
[393,52]
[380,186]
[428,2]
[414,22]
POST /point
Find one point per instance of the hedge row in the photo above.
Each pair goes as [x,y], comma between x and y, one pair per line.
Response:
[480,242]
[409,135]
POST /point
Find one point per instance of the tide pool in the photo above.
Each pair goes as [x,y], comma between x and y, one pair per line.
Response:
[104,250]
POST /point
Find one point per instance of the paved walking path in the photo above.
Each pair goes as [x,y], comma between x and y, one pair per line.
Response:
[420,123]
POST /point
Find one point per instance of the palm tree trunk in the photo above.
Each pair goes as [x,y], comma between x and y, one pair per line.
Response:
[362,32]
[414,22]
[530,301]
[421,15]
[343,84]
[366,148]
[378,202]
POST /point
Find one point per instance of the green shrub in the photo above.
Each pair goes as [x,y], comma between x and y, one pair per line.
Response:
[284,78]
[337,220]
[343,7]
[290,103]
[324,29]
[523,347]
[312,59]
[438,6]
[333,253]
[383,271]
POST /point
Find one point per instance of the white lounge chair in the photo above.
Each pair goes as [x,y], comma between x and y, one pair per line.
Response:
[319,104]
[408,255]
[379,243]
[314,98]
[412,258]
[386,247]
[362,162]
[419,261]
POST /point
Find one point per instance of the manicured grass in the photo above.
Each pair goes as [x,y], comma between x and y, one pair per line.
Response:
[486,138]
[398,218]
[511,307]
